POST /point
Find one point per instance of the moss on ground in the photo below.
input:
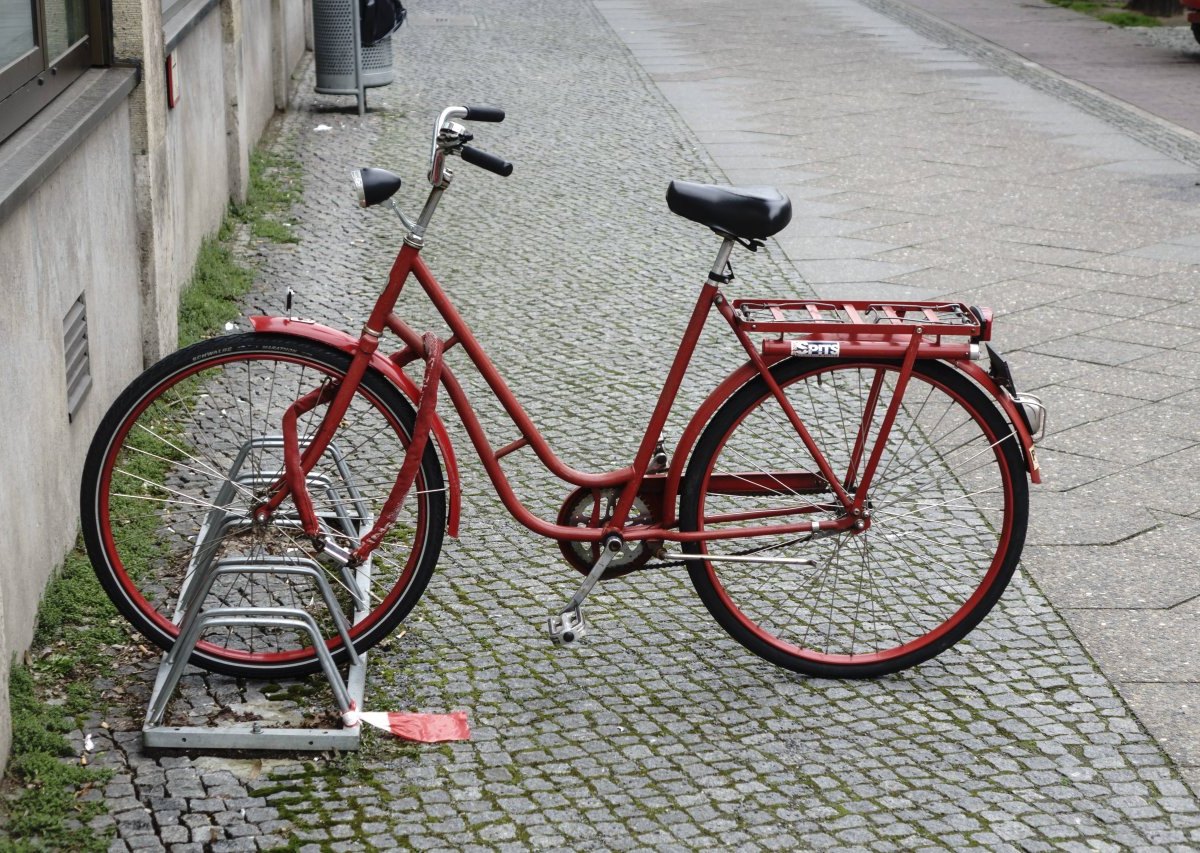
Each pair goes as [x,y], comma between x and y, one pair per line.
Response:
[1109,11]
[275,182]
[303,797]
[42,810]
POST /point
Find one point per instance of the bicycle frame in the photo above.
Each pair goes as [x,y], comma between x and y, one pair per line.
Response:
[905,333]
[633,478]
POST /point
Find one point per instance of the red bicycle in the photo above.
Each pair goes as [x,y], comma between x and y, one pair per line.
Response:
[850,501]
[1193,15]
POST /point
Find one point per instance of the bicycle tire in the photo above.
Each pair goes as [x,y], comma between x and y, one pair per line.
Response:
[206,419]
[949,509]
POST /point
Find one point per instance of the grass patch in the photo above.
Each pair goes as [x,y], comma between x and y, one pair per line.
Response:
[212,299]
[50,696]
[1110,12]
[1129,19]
[78,628]
[274,188]
[219,280]
[47,814]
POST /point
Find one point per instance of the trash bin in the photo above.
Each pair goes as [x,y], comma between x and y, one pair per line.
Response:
[344,66]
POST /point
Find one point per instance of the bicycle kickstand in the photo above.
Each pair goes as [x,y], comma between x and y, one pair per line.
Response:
[568,625]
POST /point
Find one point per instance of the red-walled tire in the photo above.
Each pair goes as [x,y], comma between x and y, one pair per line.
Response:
[948,511]
[156,487]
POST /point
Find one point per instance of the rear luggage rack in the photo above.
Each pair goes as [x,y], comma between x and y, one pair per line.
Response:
[834,329]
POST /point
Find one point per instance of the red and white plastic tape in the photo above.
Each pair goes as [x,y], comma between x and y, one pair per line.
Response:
[422,728]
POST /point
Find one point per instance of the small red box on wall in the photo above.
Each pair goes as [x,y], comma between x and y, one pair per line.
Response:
[172,81]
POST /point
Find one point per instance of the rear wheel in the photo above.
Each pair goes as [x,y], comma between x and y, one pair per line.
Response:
[192,446]
[948,508]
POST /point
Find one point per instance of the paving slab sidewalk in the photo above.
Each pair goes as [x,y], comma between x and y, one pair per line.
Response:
[1130,67]
[915,170]
[979,173]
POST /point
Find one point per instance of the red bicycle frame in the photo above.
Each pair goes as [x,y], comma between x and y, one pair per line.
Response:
[921,335]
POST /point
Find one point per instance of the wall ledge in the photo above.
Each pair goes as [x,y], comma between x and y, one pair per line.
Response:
[33,153]
[183,19]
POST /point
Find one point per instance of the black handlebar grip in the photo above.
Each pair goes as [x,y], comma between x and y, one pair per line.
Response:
[484,114]
[484,160]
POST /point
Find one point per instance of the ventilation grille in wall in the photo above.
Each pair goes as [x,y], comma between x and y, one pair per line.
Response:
[75,345]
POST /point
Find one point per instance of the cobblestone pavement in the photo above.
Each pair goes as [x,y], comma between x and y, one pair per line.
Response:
[914,171]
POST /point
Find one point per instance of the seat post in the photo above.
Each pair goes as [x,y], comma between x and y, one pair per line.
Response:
[717,276]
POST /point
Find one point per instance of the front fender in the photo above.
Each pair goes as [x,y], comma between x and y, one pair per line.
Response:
[348,343]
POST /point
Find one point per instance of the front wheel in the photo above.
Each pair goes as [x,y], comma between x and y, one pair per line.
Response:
[193,446]
[947,508]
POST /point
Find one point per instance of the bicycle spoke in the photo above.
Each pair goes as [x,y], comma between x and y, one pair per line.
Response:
[204,467]
[956,501]
[938,509]
[208,448]
[188,500]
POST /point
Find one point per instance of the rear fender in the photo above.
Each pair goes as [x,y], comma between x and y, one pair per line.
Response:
[348,344]
[1005,401]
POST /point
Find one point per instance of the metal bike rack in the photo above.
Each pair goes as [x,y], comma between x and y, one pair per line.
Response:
[349,516]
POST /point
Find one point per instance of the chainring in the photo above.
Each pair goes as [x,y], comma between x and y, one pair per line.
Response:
[586,507]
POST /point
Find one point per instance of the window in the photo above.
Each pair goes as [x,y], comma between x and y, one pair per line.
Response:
[44,45]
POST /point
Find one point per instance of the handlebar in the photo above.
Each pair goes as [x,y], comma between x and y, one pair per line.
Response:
[484,160]
[448,138]
[482,113]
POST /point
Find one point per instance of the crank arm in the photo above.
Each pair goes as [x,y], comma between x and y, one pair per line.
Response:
[568,625]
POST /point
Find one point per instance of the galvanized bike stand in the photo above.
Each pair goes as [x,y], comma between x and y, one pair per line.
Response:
[351,516]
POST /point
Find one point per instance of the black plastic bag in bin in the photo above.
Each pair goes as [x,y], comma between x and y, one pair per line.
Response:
[380,18]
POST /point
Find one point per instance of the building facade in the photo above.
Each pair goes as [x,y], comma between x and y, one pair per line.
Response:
[125,129]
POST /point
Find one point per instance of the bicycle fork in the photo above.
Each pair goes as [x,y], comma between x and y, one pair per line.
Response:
[298,463]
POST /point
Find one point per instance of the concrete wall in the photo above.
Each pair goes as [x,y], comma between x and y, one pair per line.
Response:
[120,221]
[76,234]
[234,69]
[293,24]
[258,70]
[197,155]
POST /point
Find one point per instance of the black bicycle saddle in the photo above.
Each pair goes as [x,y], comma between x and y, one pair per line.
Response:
[751,213]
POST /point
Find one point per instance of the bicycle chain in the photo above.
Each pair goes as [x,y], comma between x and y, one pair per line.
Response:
[674,563]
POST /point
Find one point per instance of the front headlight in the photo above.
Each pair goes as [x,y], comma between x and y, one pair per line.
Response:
[357,177]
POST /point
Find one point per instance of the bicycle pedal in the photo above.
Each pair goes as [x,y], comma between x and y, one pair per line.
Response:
[567,627]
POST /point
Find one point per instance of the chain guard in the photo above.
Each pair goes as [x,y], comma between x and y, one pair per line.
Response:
[586,507]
